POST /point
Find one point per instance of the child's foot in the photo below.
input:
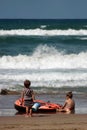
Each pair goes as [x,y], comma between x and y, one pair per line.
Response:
[26,115]
[30,115]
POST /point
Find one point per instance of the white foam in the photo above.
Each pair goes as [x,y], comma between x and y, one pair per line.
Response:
[41,32]
[44,79]
[45,67]
[83,38]
[43,26]
[45,57]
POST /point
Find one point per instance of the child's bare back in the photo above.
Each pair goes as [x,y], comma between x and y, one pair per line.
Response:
[69,105]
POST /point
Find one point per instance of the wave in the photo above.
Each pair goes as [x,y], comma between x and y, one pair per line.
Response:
[45,80]
[43,26]
[45,57]
[83,38]
[43,32]
[48,69]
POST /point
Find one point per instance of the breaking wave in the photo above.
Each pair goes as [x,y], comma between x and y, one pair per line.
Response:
[43,32]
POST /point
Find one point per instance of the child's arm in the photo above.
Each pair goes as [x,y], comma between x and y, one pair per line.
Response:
[33,96]
[64,105]
[22,97]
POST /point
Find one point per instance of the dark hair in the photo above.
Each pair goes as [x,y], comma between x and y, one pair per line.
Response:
[69,94]
[27,83]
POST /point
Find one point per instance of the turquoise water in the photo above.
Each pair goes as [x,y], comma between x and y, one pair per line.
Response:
[51,53]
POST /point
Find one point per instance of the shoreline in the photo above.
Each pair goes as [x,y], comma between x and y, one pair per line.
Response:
[7,102]
[57,121]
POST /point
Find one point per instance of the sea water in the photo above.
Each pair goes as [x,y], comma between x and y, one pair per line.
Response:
[7,103]
[52,54]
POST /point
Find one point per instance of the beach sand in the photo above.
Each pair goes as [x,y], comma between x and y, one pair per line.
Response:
[44,122]
[11,120]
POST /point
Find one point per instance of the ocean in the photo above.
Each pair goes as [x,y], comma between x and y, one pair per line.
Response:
[52,54]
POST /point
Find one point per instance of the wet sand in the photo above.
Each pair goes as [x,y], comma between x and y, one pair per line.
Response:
[44,122]
[9,120]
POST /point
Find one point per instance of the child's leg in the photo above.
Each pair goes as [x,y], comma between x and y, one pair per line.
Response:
[27,110]
[30,111]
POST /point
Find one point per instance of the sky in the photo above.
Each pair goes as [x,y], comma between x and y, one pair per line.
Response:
[43,9]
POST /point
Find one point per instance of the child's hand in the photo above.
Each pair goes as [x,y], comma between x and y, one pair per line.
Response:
[21,104]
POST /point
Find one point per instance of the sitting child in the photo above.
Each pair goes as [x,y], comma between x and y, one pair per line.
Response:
[69,105]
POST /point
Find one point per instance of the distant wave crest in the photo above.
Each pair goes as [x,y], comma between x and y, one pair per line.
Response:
[42,32]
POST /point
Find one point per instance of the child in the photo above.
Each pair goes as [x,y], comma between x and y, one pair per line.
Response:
[28,97]
[69,106]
